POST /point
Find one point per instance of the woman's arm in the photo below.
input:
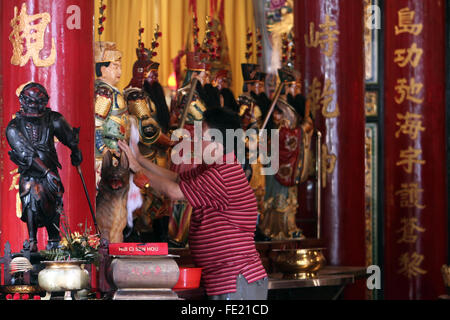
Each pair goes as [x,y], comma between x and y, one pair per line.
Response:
[158,170]
[147,164]
[162,180]
[169,188]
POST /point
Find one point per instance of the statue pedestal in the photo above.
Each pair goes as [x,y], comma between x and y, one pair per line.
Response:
[144,277]
[145,294]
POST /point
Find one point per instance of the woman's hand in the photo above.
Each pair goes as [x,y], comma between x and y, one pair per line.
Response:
[134,163]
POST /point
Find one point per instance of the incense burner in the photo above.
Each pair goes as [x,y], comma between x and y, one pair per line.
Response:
[66,276]
[298,263]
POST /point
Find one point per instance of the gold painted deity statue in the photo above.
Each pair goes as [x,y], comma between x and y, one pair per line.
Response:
[197,66]
[253,107]
[292,117]
[146,102]
[222,81]
[112,120]
[111,113]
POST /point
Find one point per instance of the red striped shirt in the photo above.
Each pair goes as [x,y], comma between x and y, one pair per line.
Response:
[223,222]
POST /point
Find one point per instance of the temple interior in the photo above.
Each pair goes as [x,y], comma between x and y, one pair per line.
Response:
[347,100]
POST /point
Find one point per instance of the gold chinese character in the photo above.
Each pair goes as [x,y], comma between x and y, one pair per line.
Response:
[409,158]
[411,55]
[327,98]
[325,39]
[409,229]
[314,96]
[410,265]
[27,38]
[321,99]
[15,186]
[406,23]
[409,92]
[411,125]
[410,196]
[328,164]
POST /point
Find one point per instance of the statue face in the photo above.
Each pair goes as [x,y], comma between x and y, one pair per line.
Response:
[202,77]
[222,82]
[257,87]
[112,73]
[277,116]
[33,98]
[294,88]
[152,77]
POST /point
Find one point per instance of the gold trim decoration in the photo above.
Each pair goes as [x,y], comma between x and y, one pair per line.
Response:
[106,51]
[15,186]
[371,103]
[371,198]
[102,106]
[196,109]
[197,70]
[139,108]
[121,103]
[27,38]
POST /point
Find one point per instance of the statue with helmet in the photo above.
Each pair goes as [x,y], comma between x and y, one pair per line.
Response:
[188,106]
[253,107]
[31,136]
[146,102]
[197,67]
[254,102]
[292,117]
[216,45]
[111,113]
[112,123]
[222,81]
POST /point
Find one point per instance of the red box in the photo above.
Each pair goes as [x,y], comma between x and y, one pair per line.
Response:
[139,249]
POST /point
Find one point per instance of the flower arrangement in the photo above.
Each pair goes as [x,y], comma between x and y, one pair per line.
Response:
[74,246]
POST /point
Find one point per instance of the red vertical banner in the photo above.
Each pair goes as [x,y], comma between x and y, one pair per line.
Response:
[329,39]
[49,42]
[415,167]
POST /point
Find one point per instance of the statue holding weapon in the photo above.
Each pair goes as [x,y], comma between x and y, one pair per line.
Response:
[291,116]
[31,136]
[190,103]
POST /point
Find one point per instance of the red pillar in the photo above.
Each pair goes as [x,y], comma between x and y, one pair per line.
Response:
[415,167]
[330,45]
[60,58]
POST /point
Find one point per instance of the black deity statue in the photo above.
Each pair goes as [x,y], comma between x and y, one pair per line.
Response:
[31,137]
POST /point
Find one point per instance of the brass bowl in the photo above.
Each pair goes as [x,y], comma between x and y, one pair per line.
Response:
[298,263]
[63,276]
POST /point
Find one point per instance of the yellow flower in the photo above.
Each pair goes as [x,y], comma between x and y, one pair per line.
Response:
[76,237]
[64,243]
